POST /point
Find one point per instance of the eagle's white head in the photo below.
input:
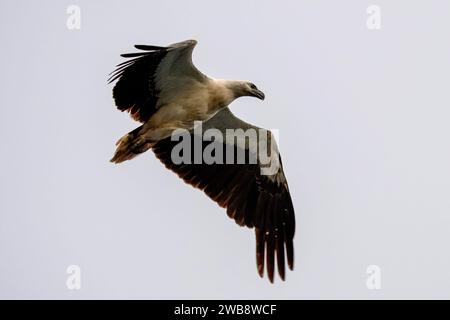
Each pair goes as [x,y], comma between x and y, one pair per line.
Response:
[241,88]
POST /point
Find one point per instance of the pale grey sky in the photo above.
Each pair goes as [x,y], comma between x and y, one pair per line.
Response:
[363,120]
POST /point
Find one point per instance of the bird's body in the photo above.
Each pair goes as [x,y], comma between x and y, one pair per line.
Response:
[162,89]
[198,101]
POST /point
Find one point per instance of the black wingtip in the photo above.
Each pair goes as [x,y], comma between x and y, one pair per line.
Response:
[261,271]
[280,260]
[260,251]
[149,47]
[291,265]
[290,254]
[270,256]
[133,55]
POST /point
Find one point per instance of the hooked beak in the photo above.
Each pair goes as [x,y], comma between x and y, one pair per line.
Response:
[258,94]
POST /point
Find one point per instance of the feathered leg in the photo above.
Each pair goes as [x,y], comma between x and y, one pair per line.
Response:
[130,145]
[138,141]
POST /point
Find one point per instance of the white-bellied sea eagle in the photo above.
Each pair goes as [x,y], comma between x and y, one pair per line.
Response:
[161,88]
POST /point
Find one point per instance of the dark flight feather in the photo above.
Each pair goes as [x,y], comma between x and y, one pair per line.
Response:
[135,90]
[149,48]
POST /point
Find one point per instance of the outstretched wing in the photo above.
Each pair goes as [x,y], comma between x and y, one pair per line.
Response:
[151,75]
[253,197]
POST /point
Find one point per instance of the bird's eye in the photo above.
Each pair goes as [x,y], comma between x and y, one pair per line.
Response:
[252,86]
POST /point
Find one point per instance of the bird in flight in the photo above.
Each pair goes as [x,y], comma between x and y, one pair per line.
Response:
[161,88]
